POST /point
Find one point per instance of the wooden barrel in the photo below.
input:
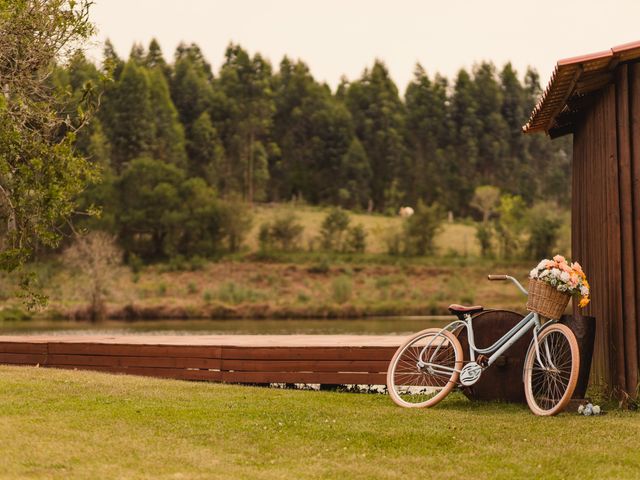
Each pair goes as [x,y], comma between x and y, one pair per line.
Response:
[503,380]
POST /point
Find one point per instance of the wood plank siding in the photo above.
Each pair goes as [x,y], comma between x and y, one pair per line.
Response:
[606,223]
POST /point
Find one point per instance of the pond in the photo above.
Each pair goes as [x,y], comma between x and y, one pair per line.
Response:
[359,326]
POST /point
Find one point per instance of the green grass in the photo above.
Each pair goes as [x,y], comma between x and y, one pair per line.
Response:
[67,424]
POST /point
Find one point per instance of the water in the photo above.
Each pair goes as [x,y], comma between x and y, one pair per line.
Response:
[367,326]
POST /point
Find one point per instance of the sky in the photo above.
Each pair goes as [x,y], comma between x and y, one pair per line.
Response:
[343,37]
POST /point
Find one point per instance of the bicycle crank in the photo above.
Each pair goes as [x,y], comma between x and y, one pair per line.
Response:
[470,374]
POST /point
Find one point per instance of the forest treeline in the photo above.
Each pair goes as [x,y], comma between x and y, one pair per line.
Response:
[172,137]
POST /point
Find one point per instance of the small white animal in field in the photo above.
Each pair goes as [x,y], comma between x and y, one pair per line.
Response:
[405,212]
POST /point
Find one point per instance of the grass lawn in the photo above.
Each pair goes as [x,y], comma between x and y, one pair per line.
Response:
[70,424]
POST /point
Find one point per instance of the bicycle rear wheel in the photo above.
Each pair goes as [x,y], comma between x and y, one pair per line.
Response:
[550,379]
[424,369]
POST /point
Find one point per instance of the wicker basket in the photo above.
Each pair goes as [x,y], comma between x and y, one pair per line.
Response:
[546,300]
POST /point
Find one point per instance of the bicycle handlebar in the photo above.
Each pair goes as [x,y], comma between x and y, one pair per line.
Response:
[508,277]
[497,277]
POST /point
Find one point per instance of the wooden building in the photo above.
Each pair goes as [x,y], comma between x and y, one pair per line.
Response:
[596,97]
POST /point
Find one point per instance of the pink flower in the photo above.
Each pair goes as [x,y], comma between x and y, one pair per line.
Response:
[550,264]
[564,266]
[559,259]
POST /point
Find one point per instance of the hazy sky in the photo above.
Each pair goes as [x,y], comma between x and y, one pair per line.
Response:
[342,37]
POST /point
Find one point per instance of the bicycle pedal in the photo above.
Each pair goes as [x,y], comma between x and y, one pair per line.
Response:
[483,361]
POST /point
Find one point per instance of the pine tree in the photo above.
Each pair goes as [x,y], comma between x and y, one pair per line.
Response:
[155,59]
[313,132]
[191,89]
[206,152]
[378,116]
[426,132]
[128,117]
[246,83]
[169,142]
[355,177]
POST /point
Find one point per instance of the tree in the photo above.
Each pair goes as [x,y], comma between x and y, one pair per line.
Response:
[378,115]
[485,200]
[96,259]
[355,176]
[313,132]
[128,116]
[246,83]
[40,174]
[148,204]
[206,152]
[168,143]
[421,228]
[333,229]
[510,225]
[191,88]
[463,151]
[543,223]
[155,59]
[236,220]
[426,133]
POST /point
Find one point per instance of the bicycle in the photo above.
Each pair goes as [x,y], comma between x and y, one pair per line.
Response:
[426,368]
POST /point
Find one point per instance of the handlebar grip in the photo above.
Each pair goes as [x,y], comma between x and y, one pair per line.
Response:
[497,277]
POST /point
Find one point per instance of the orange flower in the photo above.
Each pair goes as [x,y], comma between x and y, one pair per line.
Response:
[578,268]
[584,301]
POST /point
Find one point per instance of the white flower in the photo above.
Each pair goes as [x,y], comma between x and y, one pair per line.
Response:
[544,273]
[562,287]
[565,277]
[581,409]
[533,273]
[596,409]
[542,264]
[555,272]
[584,291]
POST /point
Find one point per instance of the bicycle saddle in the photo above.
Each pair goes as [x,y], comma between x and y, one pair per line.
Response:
[455,309]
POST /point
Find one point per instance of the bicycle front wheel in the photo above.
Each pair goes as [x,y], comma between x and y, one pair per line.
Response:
[550,377]
[424,369]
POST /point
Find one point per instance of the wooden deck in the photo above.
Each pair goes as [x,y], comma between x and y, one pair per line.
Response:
[312,359]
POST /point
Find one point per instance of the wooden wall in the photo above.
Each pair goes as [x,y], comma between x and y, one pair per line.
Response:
[606,224]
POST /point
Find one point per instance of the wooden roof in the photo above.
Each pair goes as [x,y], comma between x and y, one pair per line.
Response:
[570,86]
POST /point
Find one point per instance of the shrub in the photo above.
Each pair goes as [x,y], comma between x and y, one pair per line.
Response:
[283,233]
[421,228]
[341,289]
[356,240]
[394,240]
[230,292]
[484,234]
[192,288]
[323,267]
[333,228]
[235,219]
[207,296]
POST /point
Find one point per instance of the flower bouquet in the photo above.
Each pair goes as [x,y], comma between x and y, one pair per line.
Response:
[551,285]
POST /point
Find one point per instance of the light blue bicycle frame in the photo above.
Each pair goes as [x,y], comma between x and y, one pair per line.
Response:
[532,320]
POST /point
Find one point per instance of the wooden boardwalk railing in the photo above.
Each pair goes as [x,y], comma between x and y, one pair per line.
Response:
[312,359]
